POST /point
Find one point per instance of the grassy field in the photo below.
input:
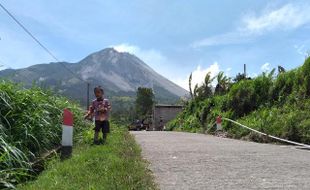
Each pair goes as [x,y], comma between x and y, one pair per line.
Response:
[115,165]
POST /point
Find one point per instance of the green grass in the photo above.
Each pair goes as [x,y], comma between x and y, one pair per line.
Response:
[290,121]
[30,125]
[115,165]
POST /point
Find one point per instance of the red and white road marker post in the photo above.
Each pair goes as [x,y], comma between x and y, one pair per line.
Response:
[219,123]
[67,134]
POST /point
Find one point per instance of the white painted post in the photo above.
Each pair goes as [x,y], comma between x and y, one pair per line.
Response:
[67,134]
[219,123]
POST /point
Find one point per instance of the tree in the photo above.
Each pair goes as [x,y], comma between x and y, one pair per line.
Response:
[239,78]
[305,73]
[223,83]
[196,91]
[242,98]
[190,85]
[205,90]
[281,69]
[144,101]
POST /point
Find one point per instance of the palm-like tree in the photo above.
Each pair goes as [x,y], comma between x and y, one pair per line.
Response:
[223,83]
[190,86]
[281,69]
[196,91]
[205,90]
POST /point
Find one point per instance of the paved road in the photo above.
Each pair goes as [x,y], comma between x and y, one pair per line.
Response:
[196,161]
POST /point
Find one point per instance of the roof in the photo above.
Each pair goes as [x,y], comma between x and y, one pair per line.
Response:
[167,106]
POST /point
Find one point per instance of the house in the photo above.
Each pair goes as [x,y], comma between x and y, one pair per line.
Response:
[162,114]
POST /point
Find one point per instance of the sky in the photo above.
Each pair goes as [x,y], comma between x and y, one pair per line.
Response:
[174,37]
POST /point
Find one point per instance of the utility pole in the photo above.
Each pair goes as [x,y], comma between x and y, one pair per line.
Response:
[244,70]
[88,85]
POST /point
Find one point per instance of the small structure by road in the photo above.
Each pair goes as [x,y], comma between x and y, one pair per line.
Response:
[162,114]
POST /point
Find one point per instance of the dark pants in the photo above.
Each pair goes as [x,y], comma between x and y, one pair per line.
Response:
[104,126]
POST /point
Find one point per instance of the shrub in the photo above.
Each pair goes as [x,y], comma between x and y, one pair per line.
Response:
[283,86]
[242,98]
[306,77]
[30,124]
[278,106]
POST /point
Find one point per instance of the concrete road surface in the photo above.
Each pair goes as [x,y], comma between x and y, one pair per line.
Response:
[196,161]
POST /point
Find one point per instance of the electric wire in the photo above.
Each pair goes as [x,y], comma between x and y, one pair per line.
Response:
[40,44]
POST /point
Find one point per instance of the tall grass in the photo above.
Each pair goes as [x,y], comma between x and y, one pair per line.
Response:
[116,165]
[30,124]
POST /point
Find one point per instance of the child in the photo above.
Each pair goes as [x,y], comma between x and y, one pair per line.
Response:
[100,109]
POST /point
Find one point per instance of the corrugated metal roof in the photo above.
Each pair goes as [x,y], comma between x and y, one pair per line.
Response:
[167,106]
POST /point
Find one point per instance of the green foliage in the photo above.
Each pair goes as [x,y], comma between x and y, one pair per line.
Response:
[115,165]
[305,73]
[239,77]
[248,95]
[290,121]
[123,110]
[223,84]
[284,85]
[242,98]
[144,101]
[30,124]
[205,90]
[277,105]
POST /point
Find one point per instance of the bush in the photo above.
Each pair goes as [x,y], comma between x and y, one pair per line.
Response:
[284,86]
[306,78]
[279,106]
[294,127]
[30,124]
[242,98]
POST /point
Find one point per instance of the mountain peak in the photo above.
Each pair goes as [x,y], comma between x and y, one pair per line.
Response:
[102,56]
[118,72]
[109,50]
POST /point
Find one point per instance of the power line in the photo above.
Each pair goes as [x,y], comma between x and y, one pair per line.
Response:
[2,64]
[40,44]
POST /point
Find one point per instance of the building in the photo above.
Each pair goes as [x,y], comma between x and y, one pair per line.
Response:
[162,114]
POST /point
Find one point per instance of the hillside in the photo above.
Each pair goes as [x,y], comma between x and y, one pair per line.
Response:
[276,104]
[119,73]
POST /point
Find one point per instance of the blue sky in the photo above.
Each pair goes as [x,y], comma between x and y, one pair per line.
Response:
[174,37]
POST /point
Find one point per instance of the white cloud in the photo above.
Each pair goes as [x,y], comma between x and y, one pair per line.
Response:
[151,57]
[253,75]
[289,16]
[265,67]
[301,50]
[126,48]
[156,60]
[223,39]
[198,75]
[228,71]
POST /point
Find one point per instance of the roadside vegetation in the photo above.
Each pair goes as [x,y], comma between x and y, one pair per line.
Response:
[115,165]
[30,125]
[275,103]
